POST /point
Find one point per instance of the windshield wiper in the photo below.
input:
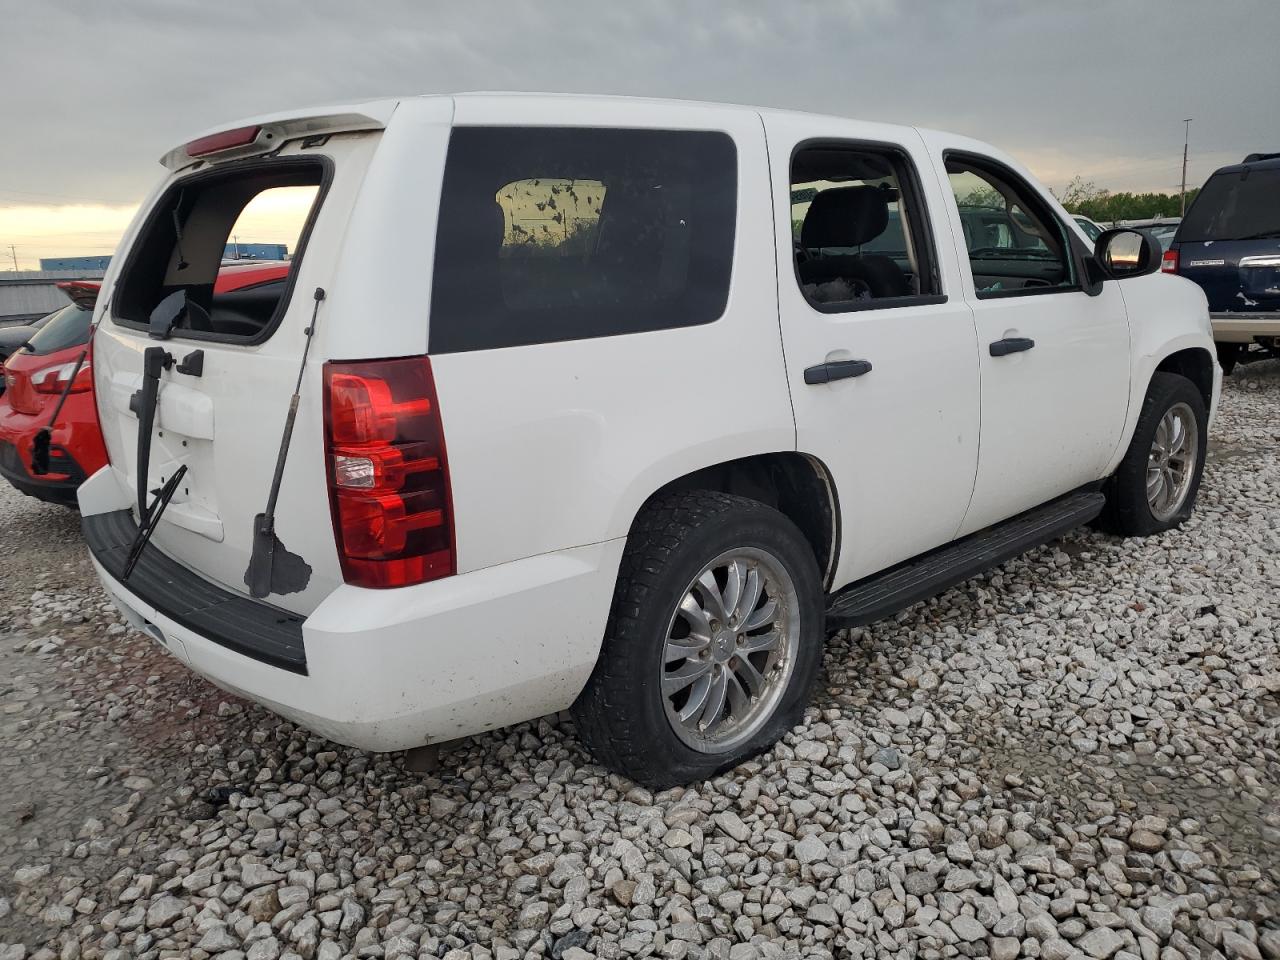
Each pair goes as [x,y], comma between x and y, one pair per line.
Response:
[1264,235]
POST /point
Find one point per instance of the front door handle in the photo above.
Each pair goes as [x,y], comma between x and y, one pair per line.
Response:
[1002,348]
[836,370]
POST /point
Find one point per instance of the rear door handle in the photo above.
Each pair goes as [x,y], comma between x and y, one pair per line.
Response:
[1002,348]
[836,370]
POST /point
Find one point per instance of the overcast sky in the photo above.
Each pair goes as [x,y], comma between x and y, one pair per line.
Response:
[95,91]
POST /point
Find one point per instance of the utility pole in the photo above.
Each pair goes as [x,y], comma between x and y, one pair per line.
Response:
[1186,138]
[236,240]
[15,258]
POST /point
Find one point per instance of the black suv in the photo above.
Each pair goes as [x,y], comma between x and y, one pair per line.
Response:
[1229,243]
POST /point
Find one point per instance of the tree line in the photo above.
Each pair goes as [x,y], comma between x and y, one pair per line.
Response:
[1087,198]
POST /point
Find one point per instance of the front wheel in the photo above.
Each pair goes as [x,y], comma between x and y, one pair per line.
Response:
[713,644]
[1229,354]
[1155,487]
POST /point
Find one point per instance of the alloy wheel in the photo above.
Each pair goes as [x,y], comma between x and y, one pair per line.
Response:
[730,650]
[1172,461]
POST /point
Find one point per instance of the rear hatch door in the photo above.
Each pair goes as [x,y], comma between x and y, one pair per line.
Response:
[231,362]
[1229,241]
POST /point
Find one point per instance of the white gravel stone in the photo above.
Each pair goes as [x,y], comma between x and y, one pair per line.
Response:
[1072,755]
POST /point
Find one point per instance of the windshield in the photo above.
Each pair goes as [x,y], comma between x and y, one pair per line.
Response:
[69,327]
[1235,206]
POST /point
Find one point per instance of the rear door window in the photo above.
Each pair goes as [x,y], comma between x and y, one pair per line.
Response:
[201,219]
[559,233]
[1235,206]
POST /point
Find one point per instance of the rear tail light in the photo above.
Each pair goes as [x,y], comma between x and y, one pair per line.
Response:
[388,474]
[54,379]
[1169,262]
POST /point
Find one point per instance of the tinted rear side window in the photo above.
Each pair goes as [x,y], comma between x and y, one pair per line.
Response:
[69,327]
[551,234]
[1235,206]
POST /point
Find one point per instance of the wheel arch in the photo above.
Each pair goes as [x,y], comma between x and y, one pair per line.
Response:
[1194,363]
[1190,356]
[797,485]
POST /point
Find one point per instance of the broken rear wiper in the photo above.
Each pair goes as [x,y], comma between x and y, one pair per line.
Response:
[147,522]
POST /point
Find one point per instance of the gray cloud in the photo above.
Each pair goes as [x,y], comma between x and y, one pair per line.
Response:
[95,92]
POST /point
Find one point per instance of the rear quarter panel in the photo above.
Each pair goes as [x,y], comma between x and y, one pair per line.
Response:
[557,445]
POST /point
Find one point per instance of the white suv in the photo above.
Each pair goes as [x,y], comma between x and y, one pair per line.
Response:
[612,404]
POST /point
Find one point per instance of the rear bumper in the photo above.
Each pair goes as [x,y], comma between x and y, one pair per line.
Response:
[1244,327]
[75,453]
[58,486]
[394,669]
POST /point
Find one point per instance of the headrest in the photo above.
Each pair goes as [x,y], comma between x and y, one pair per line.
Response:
[845,217]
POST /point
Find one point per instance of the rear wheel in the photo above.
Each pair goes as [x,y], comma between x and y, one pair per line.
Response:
[1156,485]
[714,640]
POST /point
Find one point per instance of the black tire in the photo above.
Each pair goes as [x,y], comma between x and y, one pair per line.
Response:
[620,714]
[1229,355]
[1128,512]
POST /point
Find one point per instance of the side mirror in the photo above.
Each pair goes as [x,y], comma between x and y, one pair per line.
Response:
[1126,253]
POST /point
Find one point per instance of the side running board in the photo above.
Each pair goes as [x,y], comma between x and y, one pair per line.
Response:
[884,594]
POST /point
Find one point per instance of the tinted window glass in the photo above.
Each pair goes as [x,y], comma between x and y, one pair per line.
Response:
[856,227]
[550,234]
[1015,243]
[1232,206]
[69,327]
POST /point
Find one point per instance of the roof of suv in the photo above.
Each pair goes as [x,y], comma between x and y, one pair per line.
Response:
[1263,161]
[374,114]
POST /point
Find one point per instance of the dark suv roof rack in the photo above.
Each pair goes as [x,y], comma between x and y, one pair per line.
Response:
[1255,157]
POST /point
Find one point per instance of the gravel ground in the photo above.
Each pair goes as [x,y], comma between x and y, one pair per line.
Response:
[1077,755]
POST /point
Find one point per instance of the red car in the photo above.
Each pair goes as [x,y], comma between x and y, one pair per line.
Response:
[35,376]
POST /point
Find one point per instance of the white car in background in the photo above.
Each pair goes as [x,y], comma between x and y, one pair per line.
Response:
[625,443]
[1092,229]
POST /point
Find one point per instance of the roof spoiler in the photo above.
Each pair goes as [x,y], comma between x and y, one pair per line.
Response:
[1255,157]
[83,293]
[265,137]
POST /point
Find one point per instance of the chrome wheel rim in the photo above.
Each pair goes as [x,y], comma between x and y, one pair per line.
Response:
[729,650]
[1171,464]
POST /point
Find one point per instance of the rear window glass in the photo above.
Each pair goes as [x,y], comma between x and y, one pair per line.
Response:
[1235,206]
[69,327]
[206,220]
[551,234]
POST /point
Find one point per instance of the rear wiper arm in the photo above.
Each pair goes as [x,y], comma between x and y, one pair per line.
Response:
[1264,235]
[143,404]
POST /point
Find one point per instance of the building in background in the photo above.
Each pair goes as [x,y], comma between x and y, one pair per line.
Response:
[256,251]
[232,251]
[27,295]
[74,263]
